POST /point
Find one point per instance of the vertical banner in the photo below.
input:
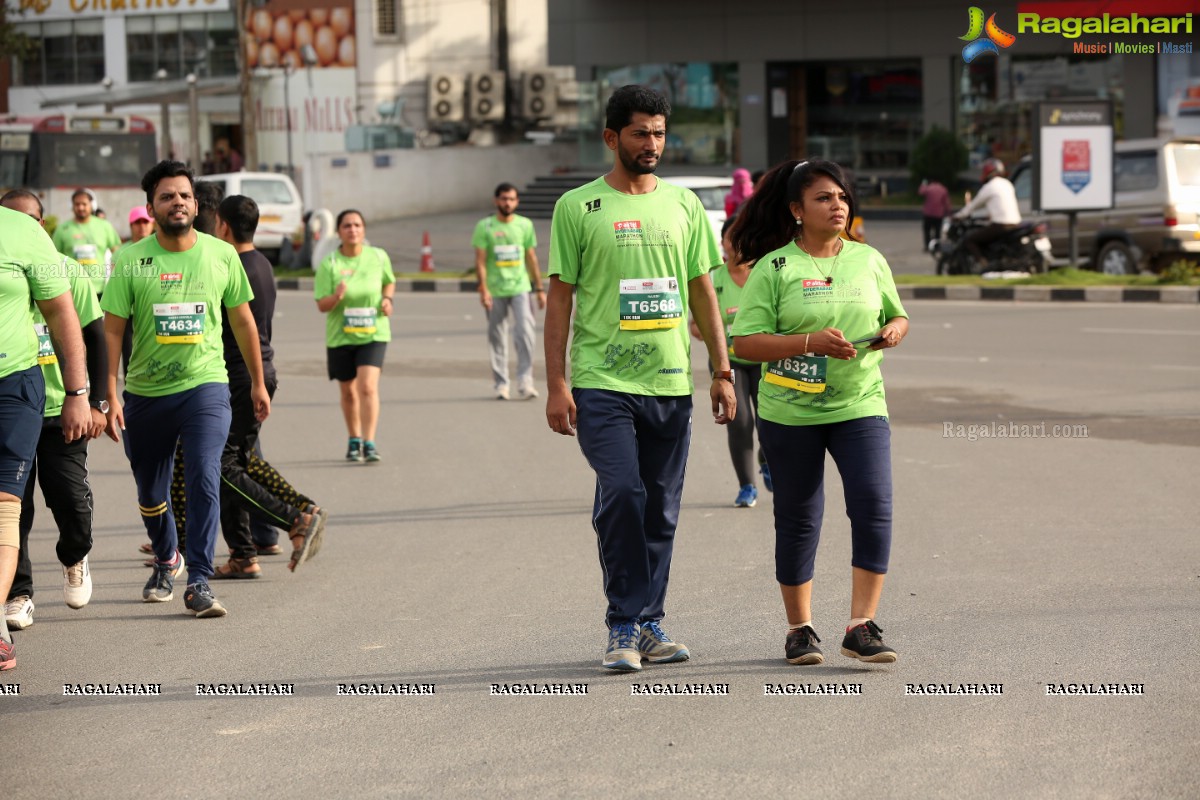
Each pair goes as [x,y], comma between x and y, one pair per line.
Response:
[1073,156]
[319,98]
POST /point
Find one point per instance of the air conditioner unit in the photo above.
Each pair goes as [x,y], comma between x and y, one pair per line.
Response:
[539,95]
[445,97]
[485,97]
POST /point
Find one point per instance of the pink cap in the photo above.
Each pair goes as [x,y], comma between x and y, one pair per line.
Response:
[139,214]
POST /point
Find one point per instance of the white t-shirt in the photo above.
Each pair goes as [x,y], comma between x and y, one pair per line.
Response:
[1000,198]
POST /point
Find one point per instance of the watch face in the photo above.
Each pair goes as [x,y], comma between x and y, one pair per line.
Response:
[101,406]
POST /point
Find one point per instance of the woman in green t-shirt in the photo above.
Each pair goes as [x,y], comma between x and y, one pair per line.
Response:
[354,288]
[817,310]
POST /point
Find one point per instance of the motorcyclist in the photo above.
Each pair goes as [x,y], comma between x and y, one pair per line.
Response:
[999,197]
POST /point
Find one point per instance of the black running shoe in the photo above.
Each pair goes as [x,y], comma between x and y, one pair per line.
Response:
[865,643]
[200,601]
[801,646]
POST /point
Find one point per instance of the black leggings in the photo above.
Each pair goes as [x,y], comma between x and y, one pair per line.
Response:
[741,430]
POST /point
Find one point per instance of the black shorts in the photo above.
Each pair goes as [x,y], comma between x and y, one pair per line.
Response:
[22,400]
[343,362]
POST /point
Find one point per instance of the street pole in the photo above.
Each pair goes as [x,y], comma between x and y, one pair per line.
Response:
[287,109]
[165,111]
[193,122]
[245,86]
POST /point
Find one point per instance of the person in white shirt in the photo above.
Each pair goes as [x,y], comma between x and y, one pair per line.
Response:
[999,197]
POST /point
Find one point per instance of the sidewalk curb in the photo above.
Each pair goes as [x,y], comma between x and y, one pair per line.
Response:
[1022,294]
[1055,294]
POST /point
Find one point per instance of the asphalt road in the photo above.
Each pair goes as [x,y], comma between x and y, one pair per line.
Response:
[466,559]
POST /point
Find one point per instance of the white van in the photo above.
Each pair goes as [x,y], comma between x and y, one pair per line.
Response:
[280,211]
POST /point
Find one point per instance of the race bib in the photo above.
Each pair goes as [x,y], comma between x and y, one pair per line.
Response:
[508,255]
[802,373]
[86,254]
[358,320]
[730,313]
[45,346]
[179,323]
[650,303]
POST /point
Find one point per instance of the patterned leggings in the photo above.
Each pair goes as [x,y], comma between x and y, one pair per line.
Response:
[261,471]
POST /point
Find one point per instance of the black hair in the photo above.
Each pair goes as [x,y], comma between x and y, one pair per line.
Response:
[765,222]
[208,198]
[163,169]
[240,213]
[756,176]
[81,191]
[505,187]
[342,216]
[17,194]
[728,223]
[631,99]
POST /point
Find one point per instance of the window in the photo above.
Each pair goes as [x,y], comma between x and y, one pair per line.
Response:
[387,18]
[1136,172]
[264,190]
[66,52]
[179,44]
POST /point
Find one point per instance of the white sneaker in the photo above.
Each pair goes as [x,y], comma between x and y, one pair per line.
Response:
[528,392]
[502,392]
[77,584]
[18,612]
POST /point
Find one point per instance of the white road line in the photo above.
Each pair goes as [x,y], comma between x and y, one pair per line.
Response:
[1139,331]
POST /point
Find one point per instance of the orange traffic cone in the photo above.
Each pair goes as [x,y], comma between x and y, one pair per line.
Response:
[426,253]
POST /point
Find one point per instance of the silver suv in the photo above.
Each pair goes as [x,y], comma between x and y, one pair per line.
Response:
[1155,218]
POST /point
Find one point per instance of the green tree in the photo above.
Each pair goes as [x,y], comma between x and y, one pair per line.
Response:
[939,155]
[12,41]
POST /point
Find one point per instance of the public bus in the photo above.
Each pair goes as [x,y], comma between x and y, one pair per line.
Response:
[57,154]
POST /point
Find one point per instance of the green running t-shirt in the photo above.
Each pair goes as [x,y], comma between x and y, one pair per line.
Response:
[630,258]
[30,269]
[88,309]
[787,293]
[89,243]
[357,318]
[729,295]
[175,301]
[505,244]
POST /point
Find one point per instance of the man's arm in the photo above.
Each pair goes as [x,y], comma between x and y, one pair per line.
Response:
[68,346]
[535,276]
[485,297]
[114,333]
[245,331]
[97,371]
[560,406]
[707,315]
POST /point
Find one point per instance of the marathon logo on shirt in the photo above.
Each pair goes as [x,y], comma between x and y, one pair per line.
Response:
[816,288]
[628,232]
[170,280]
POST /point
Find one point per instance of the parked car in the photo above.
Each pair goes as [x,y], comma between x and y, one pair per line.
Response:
[711,191]
[1155,218]
[280,210]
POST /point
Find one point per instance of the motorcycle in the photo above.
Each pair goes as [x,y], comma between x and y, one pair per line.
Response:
[1025,248]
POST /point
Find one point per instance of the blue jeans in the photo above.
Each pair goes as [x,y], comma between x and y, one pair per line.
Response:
[861,448]
[638,447]
[200,418]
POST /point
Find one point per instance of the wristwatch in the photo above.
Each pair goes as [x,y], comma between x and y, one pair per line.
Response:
[723,375]
[99,405]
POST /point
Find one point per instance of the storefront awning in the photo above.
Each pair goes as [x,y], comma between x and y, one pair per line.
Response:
[147,93]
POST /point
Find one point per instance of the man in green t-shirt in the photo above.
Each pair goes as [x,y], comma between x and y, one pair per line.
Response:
[88,239]
[507,268]
[60,466]
[176,386]
[632,255]
[30,273]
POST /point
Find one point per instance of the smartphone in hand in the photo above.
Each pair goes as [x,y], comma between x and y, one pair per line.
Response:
[868,341]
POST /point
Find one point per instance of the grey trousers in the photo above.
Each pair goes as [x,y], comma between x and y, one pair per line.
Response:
[522,334]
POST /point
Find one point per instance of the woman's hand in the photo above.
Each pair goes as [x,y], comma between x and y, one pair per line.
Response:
[830,342]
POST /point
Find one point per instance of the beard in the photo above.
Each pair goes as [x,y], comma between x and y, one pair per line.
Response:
[632,165]
[164,224]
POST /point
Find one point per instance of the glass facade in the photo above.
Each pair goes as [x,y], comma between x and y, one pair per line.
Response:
[863,114]
[704,107]
[201,44]
[996,97]
[65,52]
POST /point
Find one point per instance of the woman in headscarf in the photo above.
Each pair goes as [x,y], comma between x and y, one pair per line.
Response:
[741,191]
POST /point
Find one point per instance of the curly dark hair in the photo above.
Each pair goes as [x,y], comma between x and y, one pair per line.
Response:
[765,223]
[165,169]
[631,99]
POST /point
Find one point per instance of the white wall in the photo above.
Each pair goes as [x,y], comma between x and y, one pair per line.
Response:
[427,181]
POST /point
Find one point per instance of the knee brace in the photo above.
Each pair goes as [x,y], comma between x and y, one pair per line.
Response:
[10,522]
